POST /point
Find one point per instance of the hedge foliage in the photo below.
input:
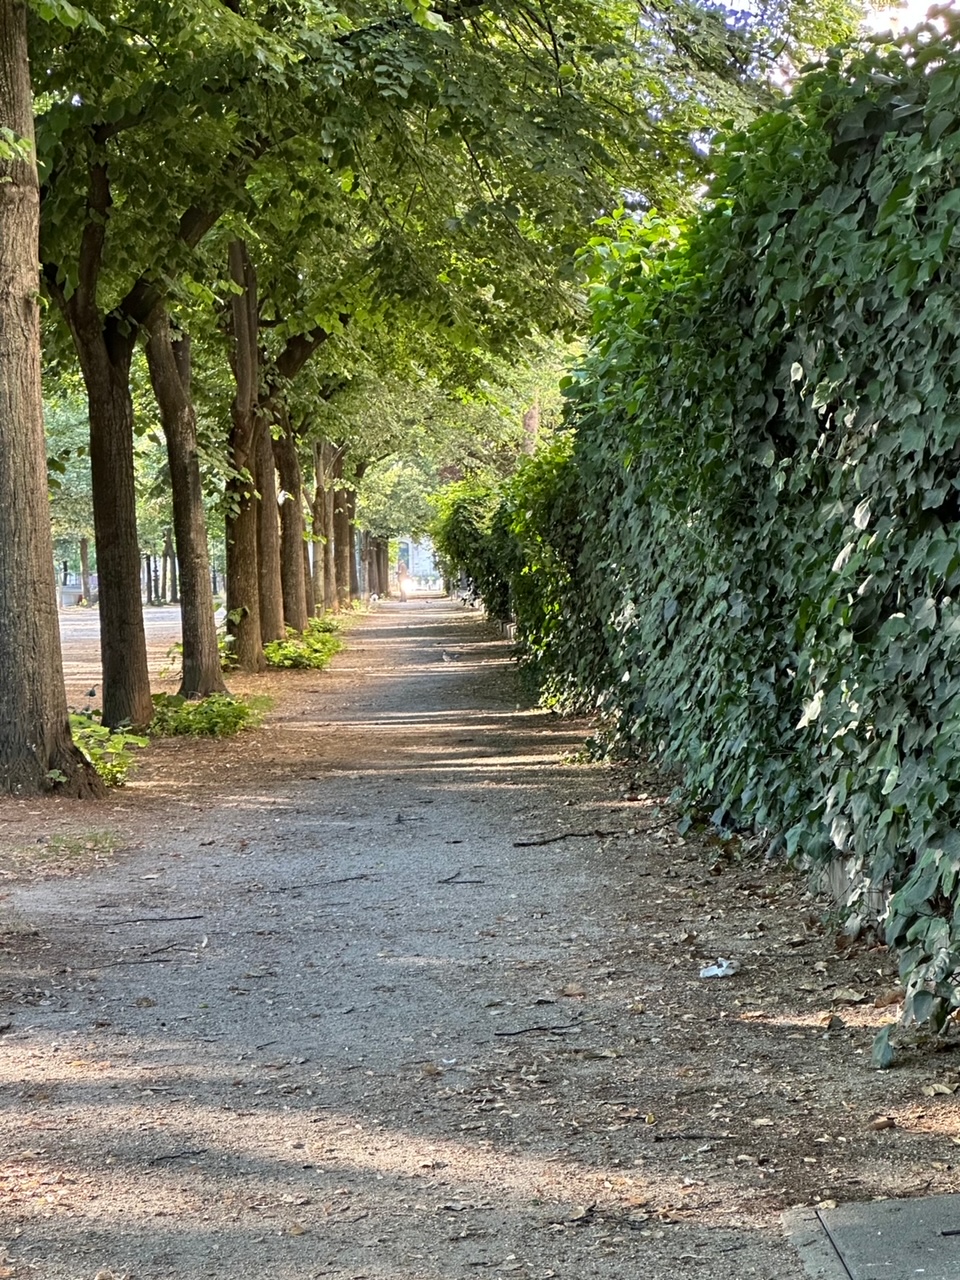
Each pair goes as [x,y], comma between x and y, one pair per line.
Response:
[749,558]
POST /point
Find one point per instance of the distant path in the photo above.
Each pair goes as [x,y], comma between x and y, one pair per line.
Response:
[80,641]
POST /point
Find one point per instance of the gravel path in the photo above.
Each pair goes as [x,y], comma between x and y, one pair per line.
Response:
[388,1004]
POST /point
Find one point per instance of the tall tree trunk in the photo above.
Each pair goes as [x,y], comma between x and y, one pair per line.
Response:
[293,573]
[373,567]
[85,569]
[359,471]
[268,539]
[105,362]
[165,557]
[332,469]
[175,574]
[169,364]
[309,595]
[317,527]
[36,752]
[105,349]
[341,546]
[384,551]
[243,594]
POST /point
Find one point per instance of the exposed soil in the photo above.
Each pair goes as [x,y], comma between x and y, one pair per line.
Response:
[397,988]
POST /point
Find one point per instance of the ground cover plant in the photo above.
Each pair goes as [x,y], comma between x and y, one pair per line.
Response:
[310,649]
[218,716]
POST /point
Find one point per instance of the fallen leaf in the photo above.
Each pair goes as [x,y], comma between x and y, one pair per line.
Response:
[295,1229]
[847,995]
[763,1123]
[572,989]
[144,1002]
[886,998]
[882,1122]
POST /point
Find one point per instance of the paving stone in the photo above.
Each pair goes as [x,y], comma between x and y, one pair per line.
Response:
[883,1240]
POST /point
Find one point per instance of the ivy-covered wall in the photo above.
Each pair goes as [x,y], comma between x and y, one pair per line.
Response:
[764,579]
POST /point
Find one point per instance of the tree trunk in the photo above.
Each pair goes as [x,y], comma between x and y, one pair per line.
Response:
[169,364]
[341,547]
[384,566]
[358,473]
[36,751]
[309,595]
[294,572]
[268,539]
[175,573]
[366,561]
[332,466]
[165,557]
[243,595]
[373,567]
[105,349]
[147,592]
[316,528]
[85,569]
[123,646]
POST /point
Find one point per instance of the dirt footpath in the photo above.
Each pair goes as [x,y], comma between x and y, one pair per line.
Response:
[397,989]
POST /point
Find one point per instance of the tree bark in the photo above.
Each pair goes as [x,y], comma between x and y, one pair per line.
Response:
[331,467]
[309,595]
[36,751]
[317,527]
[85,569]
[268,538]
[351,498]
[355,585]
[175,568]
[341,547]
[293,572]
[384,567]
[243,593]
[169,364]
[104,347]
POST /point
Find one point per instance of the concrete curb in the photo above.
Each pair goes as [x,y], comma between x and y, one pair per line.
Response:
[804,1231]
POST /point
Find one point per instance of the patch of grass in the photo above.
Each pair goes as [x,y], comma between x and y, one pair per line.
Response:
[218,716]
[58,855]
[311,650]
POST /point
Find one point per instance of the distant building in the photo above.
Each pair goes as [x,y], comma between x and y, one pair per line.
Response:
[419,556]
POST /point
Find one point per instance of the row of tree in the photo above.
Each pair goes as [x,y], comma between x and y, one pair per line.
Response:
[277,202]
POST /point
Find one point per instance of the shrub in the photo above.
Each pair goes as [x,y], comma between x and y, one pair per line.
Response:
[108,750]
[218,716]
[765,589]
[312,649]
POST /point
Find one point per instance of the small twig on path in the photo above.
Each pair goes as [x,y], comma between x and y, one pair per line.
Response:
[522,1031]
[364,875]
[587,835]
[693,1137]
[455,879]
[178,1155]
[149,920]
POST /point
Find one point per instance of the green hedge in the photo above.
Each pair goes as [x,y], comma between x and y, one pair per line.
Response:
[763,584]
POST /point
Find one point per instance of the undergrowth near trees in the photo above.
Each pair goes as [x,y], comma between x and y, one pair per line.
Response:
[748,557]
[110,751]
[311,649]
[220,715]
